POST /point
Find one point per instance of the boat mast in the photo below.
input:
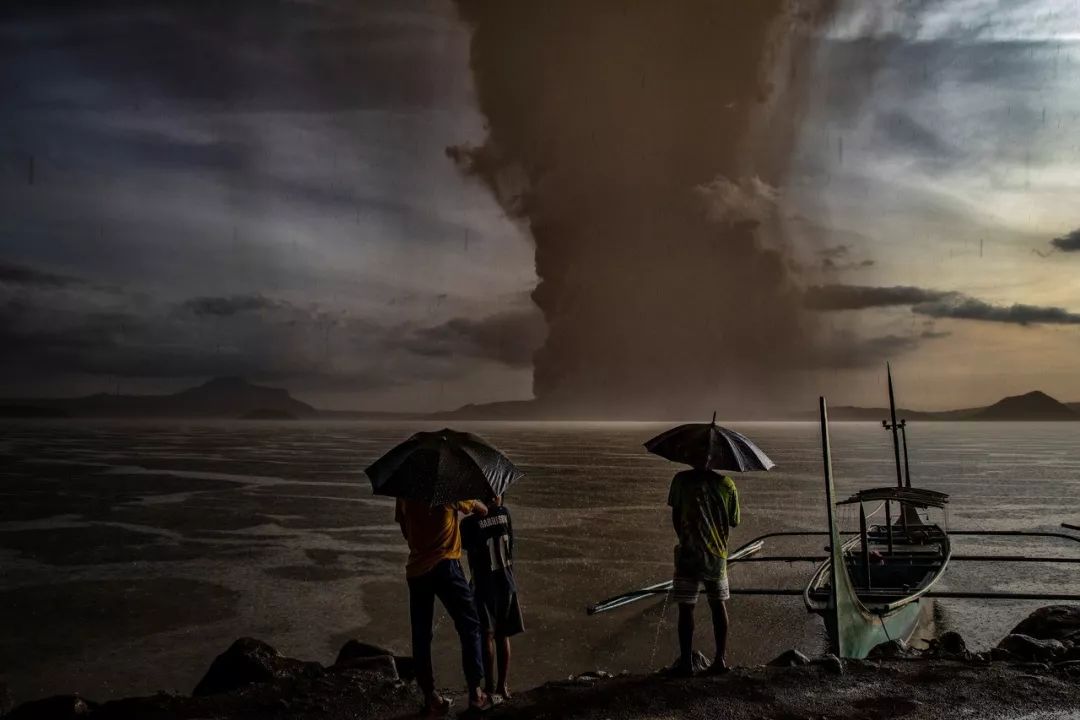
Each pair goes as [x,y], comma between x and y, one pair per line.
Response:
[907,464]
[893,427]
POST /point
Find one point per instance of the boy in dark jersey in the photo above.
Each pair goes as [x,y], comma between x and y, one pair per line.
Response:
[489,543]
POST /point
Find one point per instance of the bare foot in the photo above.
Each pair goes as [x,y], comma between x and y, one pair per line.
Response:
[503,692]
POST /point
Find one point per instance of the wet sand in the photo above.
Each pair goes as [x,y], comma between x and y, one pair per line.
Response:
[269,530]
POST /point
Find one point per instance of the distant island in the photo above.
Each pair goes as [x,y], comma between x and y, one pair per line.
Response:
[226,397]
[268,414]
[236,398]
[1034,406]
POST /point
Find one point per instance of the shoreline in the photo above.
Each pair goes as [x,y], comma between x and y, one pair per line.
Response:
[1034,672]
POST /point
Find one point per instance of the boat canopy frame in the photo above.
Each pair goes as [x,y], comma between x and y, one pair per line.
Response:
[915,497]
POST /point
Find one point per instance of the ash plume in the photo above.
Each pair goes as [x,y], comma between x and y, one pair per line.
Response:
[642,143]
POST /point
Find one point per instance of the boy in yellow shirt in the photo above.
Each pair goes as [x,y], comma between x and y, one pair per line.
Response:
[434,570]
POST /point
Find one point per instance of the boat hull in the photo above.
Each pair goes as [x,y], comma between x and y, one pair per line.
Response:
[858,632]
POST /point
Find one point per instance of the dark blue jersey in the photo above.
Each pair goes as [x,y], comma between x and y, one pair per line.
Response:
[489,543]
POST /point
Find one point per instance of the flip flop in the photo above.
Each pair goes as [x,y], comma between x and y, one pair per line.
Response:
[477,709]
[678,670]
[716,669]
[437,706]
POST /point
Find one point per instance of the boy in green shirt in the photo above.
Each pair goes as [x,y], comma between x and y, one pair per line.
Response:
[704,508]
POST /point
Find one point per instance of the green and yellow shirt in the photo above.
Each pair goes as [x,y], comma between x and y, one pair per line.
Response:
[705,507]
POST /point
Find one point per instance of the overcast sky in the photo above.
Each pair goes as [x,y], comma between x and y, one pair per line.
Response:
[256,192]
[187,193]
[944,141]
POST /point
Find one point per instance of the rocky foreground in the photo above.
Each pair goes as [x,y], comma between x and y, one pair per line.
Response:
[1034,673]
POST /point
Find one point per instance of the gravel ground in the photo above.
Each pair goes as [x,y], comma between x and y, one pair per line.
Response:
[915,689]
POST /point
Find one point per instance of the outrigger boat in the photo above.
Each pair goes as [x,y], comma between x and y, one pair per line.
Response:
[875,586]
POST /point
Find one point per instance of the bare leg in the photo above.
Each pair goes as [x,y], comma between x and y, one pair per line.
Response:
[489,661]
[686,635]
[502,648]
[720,630]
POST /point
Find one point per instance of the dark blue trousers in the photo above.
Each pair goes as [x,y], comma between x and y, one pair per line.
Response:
[447,582]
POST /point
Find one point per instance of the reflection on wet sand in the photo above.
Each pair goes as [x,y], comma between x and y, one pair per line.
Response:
[156,545]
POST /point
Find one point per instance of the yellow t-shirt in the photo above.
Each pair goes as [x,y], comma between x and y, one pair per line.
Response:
[432,533]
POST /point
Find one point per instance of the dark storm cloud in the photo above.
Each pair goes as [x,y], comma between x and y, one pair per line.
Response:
[246,54]
[933,303]
[253,336]
[834,266]
[510,338]
[966,308]
[883,98]
[227,306]
[14,274]
[1069,242]
[837,258]
[859,297]
[899,132]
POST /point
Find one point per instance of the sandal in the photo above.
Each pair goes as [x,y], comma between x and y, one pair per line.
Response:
[479,708]
[436,706]
[679,670]
[716,669]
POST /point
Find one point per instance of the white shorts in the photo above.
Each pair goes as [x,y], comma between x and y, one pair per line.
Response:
[685,591]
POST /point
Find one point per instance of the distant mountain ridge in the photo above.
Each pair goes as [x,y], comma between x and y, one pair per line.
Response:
[229,397]
[1034,405]
[233,397]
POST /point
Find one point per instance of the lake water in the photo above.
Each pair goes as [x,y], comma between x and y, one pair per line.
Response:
[133,553]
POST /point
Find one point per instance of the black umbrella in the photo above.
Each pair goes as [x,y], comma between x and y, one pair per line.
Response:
[710,446]
[442,467]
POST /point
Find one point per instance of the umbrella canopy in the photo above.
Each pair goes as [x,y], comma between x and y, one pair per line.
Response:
[711,446]
[442,467]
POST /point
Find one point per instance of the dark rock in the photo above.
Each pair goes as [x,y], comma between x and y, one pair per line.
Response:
[354,651]
[1000,654]
[249,661]
[952,643]
[890,650]
[832,664]
[1053,622]
[1024,647]
[789,658]
[383,665]
[60,707]
[591,676]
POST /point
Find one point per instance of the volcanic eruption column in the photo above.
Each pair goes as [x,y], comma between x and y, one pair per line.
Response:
[630,138]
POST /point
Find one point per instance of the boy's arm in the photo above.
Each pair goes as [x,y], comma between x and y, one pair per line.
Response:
[470,507]
[399,517]
[735,510]
[673,501]
[509,532]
